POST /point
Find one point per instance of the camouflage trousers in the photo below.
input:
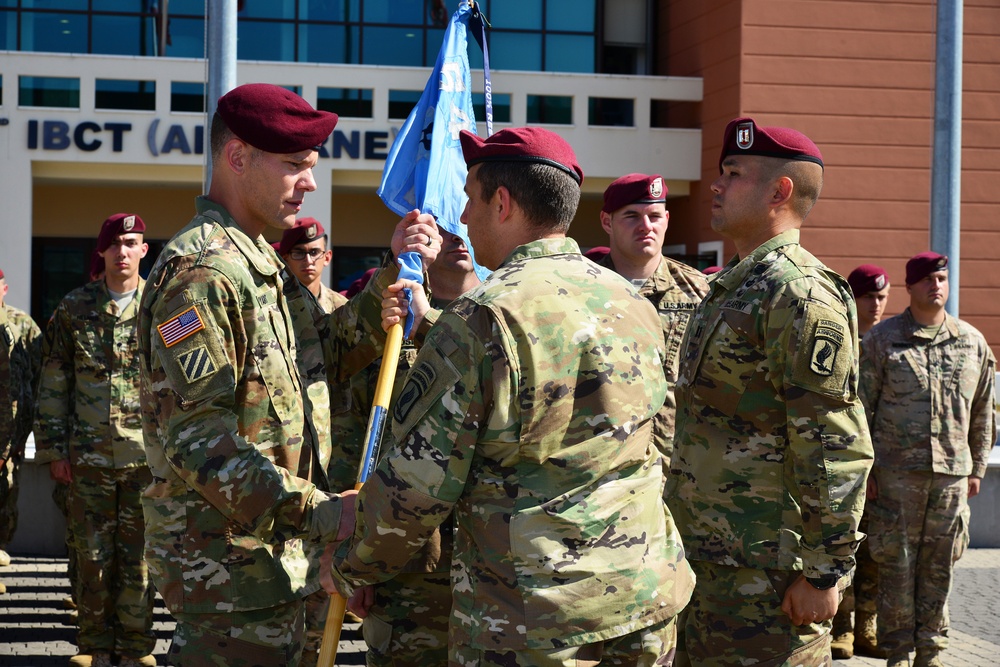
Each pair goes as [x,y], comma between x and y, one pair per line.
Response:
[60,496]
[113,590]
[735,618]
[269,637]
[655,645]
[919,527]
[860,596]
[408,623]
[316,607]
[10,473]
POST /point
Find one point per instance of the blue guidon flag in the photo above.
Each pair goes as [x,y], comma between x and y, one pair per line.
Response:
[181,326]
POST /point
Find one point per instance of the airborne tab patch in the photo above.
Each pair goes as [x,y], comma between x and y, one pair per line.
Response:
[196,364]
[181,326]
[420,379]
[827,341]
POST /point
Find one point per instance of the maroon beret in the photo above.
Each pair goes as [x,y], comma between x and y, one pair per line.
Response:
[712,269]
[115,226]
[1,274]
[274,119]
[744,137]
[597,253]
[634,189]
[922,265]
[867,278]
[305,230]
[97,265]
[522,144]
[360,283]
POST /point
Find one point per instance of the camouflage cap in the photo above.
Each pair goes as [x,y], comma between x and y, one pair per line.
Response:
[867,278]
[634,189]
[922,265]
[744,137]
[115,226]
[522,144]
[305,230]
[274,119]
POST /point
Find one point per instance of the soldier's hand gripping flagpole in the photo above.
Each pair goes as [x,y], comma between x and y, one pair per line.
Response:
[373,436]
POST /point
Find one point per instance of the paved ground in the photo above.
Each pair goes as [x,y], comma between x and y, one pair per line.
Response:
[34,633]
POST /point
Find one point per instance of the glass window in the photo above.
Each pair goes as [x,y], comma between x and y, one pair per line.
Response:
[79,5]
[401,103]
[269,9]
[577,15]
[398,12]
[8,3]
[518,51]
[187,96]
[392,46]
[329,10]
[187,37]
[433,40]
[265,40]
[130,6]
[611,111]
[8,30]
[328,44]
[57,33]
[189,7]
[550,109]
[501,107]
[569,53]
[507,14]
[122,94]
[48,91]
[123,36]
[346,102]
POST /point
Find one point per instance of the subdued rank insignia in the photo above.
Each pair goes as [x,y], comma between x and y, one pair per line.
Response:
[197,364]
[421,378]
[827,341]
[180,327]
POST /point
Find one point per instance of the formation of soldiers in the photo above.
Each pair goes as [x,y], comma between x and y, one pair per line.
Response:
[611,462]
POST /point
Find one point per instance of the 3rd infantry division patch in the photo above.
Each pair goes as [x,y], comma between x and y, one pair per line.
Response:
[196,364]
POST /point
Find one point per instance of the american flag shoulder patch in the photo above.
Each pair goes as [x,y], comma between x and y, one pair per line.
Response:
[181,326]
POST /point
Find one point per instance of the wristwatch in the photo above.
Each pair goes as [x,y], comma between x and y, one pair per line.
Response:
[823,583]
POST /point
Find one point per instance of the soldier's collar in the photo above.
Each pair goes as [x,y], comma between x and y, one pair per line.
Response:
[259,257]
[735,272]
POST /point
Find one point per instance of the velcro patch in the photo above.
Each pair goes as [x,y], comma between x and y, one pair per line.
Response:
[181,326]
[196,364]
[824,357]
[827,341]
[419,380]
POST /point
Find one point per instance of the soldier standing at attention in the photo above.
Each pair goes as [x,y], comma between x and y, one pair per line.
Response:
[870,287]
[772,450]
[927,383]
[20,356]
[236,362]
[529,415]
[635,217]
[304,249]
[90,432]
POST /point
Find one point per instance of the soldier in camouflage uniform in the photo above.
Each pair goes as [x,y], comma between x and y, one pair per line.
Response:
[20,356]
[635,217]
[772,449]
[89,431]
[529,415]
[407,620]
[304,249]
[870,287]
[236,362]
[927,383]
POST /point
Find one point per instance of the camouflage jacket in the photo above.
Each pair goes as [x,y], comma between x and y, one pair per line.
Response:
[236,358]
[772,449]
[20,360]
[929,401]
[330,300]
[675,289]
[88,399]
[529,414]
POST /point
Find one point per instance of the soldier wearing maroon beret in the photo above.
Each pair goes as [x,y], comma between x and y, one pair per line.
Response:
[927,380]
[771,450]
[635,218]
[304,249]
[528,418]
[236,365]
[870,287]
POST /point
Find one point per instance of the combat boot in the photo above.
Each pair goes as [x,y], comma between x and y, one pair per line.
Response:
[898,660]
[866,637]
[842,646]
[928,658]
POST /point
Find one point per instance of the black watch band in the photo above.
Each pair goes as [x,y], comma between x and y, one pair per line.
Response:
[823,583]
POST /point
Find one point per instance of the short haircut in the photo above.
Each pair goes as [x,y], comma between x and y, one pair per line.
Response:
[221,135]
[806,177]
[548,196]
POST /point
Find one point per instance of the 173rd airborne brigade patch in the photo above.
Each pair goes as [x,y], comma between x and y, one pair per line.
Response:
[825,354]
